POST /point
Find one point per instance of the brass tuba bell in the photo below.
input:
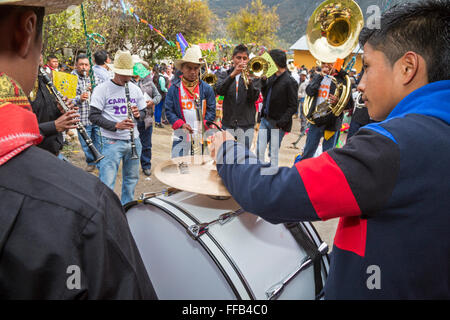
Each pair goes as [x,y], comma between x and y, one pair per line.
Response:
[332,33]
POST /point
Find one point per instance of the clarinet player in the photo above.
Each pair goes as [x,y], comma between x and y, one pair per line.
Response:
[81,101]
[109,111]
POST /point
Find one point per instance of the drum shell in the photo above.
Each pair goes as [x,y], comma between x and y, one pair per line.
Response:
[239,259]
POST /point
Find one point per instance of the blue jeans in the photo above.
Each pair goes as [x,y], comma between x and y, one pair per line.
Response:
[159,110]
[313,138]
[266,135]
[93,133]
[114,152]
[145,135]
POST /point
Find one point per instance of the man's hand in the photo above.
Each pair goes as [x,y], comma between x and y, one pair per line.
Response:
[126,124]
[67,121]
[151,104]
[187,127]
[84,96]
[68,102]
[135,112]
[217,140]
[238,69]
[332,99]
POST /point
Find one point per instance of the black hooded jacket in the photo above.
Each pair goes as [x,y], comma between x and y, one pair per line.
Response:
[283,99]
[240,111]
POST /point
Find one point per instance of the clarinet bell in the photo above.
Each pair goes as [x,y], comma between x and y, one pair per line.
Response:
[97,155]
[134,154]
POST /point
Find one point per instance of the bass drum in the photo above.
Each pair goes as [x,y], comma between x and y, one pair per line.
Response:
[237,256]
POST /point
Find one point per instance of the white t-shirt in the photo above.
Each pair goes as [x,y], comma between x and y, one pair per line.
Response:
[324,90]
[111,100]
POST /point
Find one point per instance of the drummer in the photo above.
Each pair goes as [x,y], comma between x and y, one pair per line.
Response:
[388,184]
[180,101]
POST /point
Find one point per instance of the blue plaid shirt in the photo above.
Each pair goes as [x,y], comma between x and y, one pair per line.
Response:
[83,107]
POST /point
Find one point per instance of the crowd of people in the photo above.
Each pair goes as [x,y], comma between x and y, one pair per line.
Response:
[266,106]
[386,185]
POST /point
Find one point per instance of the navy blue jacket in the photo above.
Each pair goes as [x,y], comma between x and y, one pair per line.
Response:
[174,113]
[390,187]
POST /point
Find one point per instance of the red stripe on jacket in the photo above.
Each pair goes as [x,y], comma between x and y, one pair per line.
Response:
[331,196]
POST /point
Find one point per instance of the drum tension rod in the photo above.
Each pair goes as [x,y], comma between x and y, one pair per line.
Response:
[197,230]
[273,292]
[165,192]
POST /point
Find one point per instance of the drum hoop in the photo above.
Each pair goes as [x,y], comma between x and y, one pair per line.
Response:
[239,295]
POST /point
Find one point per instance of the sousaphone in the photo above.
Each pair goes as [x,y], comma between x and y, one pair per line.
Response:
[332,33]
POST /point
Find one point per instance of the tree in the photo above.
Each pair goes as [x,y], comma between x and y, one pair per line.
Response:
[255,23]
[120,30]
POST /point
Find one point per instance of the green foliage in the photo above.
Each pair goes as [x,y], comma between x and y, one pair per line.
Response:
[65,30]
[255,23]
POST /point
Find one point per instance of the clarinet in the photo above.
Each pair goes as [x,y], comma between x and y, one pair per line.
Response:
[80,128]
[134,154]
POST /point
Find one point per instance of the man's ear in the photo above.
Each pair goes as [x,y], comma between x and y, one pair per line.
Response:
[409,65]
[25,33]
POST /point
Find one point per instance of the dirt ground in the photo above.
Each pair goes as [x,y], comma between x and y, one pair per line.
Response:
[161,147]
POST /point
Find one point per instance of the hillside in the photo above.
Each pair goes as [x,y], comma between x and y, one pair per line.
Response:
[294,14]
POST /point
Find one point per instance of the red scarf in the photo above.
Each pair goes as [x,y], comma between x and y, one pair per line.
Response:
[19,128]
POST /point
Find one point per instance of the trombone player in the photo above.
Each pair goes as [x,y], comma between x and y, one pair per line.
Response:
[239,109]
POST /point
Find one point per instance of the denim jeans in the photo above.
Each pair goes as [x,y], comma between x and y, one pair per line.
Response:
[145,135]
[114,152]
[93,133]
[159,111]
[268,132]
[313,138]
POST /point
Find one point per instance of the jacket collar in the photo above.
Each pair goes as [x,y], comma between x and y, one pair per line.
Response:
[429,100]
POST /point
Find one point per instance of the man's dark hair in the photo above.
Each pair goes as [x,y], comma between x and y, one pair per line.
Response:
[7,10]
[422,27]
[239,49]
[51,56]
[81,56]
[279,57]
[100,57]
